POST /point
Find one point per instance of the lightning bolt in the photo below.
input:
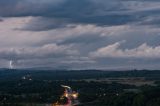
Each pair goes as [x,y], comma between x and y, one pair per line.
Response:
[11,64]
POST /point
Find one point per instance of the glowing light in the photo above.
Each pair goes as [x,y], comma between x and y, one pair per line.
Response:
[70,95]
[66,95]
[66,86]
[75,96]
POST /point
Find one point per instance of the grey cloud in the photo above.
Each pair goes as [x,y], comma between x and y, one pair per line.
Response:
[44,23]
[18,8]
[114,51]
[73,29]
[61,13]
[46,51]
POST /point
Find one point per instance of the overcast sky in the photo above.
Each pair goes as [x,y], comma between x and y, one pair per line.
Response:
[80,34]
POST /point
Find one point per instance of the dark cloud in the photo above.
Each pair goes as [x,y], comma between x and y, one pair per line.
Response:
[45,23]
[103,12]
[19,8]
[76,33]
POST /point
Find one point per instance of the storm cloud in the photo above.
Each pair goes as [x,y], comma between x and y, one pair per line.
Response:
[102,12]
[74,33]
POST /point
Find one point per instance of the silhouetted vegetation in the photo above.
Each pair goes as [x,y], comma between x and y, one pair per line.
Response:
[19,87]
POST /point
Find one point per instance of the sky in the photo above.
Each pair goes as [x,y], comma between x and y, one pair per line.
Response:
[80,34]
